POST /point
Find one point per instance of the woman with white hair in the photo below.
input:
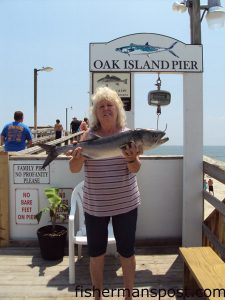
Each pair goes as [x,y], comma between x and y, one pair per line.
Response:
[110,191]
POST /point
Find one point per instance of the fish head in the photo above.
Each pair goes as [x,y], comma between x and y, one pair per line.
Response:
[122,50]
[119,49]
[126,49]
[149,138]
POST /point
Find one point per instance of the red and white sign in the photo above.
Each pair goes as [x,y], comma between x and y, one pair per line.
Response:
[26,206]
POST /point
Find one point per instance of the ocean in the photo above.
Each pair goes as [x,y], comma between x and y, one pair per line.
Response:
[215,152]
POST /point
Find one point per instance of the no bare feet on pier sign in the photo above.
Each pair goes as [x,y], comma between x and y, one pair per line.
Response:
[26,206]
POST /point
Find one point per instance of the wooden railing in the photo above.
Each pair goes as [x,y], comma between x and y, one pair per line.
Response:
[41,135]
[43,139]
[214,224]
[37,149]
[41,132]
[49,138]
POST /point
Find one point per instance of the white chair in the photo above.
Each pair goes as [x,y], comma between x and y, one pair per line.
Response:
[80,237]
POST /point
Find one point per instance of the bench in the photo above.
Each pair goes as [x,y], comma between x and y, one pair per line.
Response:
[204,273]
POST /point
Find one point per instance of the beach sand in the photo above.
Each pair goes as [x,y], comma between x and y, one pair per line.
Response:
[219,193]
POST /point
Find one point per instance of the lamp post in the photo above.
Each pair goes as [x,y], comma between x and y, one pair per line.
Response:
[46,69]
[215,16]
[193,118]
[67,113]
[195,22]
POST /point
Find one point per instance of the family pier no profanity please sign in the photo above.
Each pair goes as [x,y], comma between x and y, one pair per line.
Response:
[145,52]
[30,174]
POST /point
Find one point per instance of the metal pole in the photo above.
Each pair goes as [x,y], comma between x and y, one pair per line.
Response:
[66,118]
[195,22]
[35,99]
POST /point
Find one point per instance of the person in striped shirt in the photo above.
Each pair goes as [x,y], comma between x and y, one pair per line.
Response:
[110,191]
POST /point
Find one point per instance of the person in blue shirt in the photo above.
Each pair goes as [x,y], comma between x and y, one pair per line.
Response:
[15,134]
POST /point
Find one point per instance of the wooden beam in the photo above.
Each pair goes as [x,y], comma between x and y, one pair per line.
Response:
[217,245]
[214,168]
[38,149]
[220,206]
[4,199]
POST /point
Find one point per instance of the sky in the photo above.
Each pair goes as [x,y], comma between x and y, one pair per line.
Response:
[57,33]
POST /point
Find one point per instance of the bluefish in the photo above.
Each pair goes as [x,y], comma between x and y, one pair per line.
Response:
[147,49]
[107,147]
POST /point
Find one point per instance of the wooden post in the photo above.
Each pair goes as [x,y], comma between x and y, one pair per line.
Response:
[4,199]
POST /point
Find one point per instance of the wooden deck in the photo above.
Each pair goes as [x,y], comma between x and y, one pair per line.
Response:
[25,275]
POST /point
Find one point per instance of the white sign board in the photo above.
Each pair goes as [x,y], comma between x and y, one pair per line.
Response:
[120,82]
[26,206]
[30,174]
[145,52]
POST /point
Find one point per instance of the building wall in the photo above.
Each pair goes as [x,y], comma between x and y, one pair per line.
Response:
[160,213]
[160,183]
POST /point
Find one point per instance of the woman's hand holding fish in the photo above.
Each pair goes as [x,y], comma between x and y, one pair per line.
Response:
[131,153]
[77,160]
[70,152]
[76,153]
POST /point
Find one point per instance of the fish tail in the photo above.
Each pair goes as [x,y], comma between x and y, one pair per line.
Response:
[52,154]
[125,81]
[172,45]
[172,51]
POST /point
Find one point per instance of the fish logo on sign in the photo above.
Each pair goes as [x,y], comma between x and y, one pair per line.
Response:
[147,49]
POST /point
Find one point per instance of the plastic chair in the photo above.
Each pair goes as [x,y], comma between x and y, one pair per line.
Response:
[80,237]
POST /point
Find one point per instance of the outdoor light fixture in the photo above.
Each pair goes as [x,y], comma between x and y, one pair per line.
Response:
[215,16]
[158,98]
[46,69]
[179,6]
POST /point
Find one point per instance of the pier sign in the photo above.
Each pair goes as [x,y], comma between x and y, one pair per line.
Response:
[120,82]
[26,206]
[30,174]
[145,52]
